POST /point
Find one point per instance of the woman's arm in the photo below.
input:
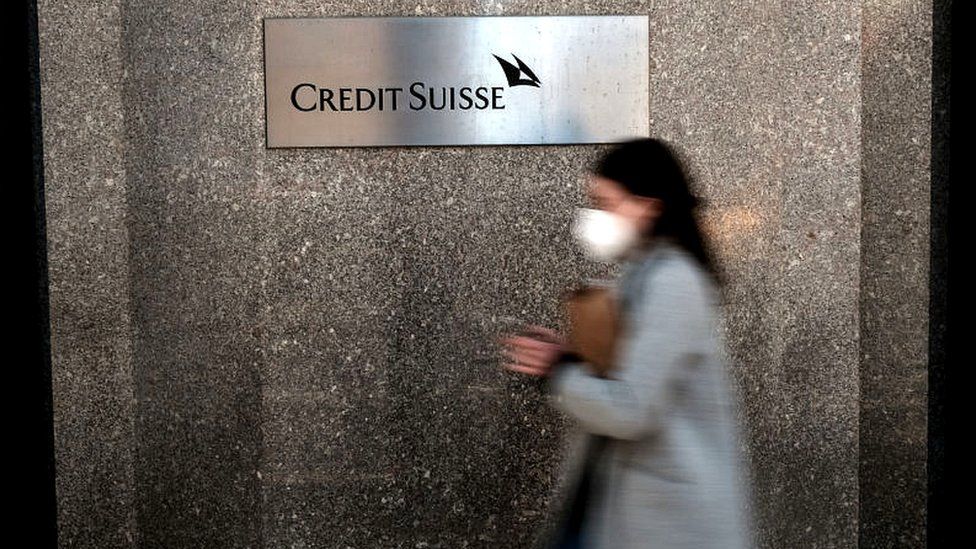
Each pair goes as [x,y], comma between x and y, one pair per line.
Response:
[651,356]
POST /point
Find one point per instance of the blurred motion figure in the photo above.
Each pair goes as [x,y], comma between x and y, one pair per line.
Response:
[655,461]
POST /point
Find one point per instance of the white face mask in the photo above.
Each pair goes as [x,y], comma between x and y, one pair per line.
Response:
[603,235]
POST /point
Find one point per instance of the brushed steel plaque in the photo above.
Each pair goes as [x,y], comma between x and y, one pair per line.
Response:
[492,80]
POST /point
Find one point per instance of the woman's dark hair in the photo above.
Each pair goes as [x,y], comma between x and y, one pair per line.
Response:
[651,168]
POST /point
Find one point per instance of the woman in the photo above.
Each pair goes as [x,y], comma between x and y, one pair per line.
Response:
[656,459]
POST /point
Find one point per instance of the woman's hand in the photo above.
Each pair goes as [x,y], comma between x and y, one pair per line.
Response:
[533,351]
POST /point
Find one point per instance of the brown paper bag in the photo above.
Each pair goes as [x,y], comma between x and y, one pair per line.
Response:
[594,325]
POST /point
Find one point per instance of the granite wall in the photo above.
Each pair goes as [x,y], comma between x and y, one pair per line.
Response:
[289,347]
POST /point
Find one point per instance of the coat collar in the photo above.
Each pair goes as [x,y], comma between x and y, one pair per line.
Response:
[649,251]
[640,259]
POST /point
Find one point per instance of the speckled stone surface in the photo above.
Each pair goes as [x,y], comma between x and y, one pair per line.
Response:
[291,347]
[896,148]
[83,118]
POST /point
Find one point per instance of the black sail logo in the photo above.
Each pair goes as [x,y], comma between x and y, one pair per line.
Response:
[513,73]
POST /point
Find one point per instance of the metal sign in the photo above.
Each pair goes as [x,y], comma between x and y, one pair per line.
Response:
[493,80]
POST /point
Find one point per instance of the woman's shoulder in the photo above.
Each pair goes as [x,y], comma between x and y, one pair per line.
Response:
[678,269]
[668,257]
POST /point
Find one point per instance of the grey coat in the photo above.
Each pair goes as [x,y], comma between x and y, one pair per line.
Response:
[671,473]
